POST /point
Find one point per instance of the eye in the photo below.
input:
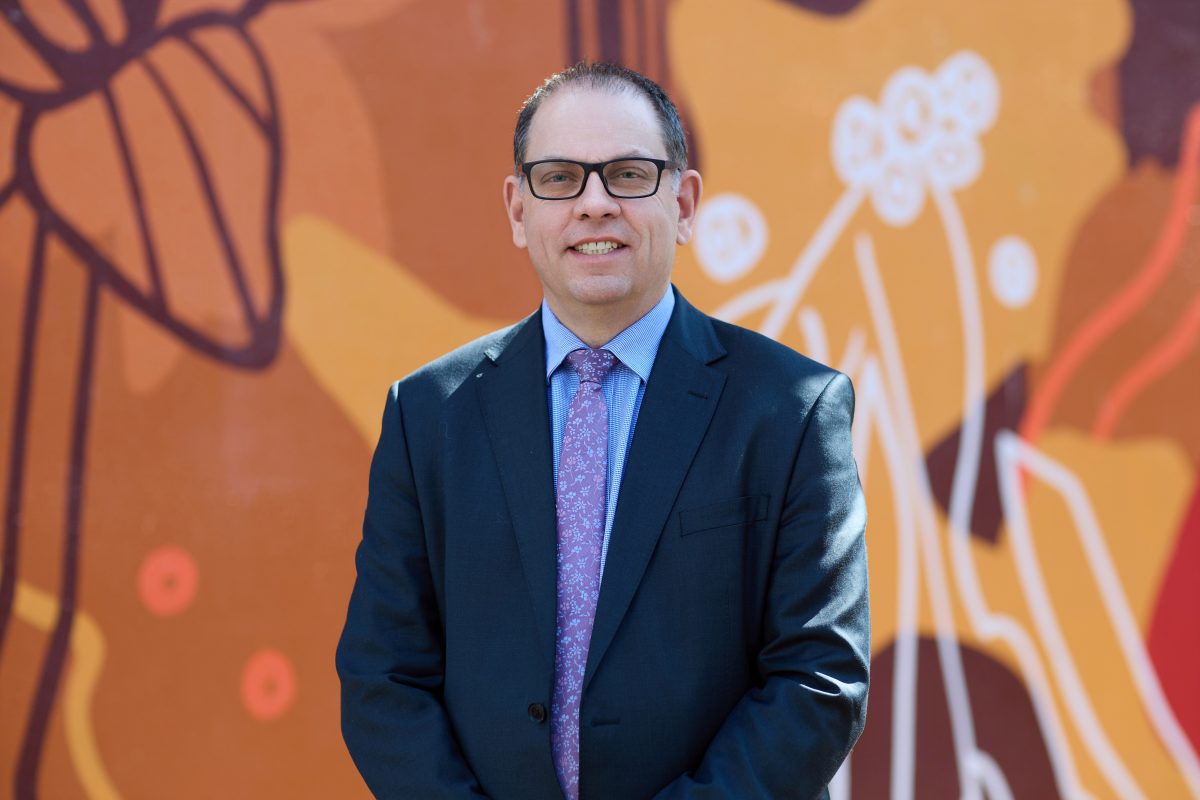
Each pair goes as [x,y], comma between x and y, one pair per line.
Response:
[630,171]
[555,174]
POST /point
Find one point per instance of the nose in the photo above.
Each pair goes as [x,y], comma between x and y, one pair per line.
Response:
[595,201]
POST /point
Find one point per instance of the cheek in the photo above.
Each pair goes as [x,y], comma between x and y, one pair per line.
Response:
[540,231]
[546,247]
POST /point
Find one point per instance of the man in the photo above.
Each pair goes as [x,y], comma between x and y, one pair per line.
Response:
[616,550]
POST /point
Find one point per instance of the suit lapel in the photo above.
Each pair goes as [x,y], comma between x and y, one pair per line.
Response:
[513,398]
[676,409]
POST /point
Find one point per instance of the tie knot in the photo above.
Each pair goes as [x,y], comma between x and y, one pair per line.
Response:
[592,365]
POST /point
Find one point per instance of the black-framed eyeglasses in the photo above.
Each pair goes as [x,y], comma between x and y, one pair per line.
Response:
[624,178]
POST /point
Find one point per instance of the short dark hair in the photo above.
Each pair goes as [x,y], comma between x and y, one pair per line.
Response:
[610,77]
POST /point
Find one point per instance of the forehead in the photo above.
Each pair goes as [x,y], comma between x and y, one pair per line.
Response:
[587,124]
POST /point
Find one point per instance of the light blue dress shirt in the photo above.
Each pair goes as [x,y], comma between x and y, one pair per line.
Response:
[635,348]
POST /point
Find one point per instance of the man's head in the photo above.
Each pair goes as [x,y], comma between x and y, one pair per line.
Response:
[613,78]
[603,260]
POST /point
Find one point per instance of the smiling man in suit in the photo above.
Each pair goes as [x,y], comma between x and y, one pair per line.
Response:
[616,550]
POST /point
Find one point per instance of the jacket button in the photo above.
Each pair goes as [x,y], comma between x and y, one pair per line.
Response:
[537,712]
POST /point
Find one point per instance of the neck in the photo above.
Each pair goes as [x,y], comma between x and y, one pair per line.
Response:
[596,326]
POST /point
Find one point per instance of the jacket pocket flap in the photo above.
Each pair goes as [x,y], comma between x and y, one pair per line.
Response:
[729,513]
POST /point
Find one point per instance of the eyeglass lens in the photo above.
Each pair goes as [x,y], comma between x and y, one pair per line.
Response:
[631,177]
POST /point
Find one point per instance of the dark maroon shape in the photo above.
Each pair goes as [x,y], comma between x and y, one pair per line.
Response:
[648,57]
[1005,727]
[831,8]
[1160,77]
[1005,406]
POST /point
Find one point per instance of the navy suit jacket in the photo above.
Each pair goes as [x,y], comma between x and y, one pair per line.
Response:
[729,657]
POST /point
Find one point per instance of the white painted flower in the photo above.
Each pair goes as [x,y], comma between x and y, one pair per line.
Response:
[899,193]
[731,236]
[954,158]
[967,90]
[858,142]
[924,133]
[909,111]
[1012,271]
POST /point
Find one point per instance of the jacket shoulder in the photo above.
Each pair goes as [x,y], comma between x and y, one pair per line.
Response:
[751,355]
[439,378]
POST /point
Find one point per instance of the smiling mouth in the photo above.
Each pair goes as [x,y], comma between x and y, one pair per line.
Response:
[597,248]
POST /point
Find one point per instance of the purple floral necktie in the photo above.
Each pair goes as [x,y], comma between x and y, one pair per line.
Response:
[582,479]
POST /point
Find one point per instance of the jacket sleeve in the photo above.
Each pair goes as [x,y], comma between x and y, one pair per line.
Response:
[390,657]
[787,736]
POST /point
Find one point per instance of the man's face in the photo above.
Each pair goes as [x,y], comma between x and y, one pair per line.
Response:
[620,285]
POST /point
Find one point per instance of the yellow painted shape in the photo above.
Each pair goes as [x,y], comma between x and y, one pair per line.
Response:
[1139,490]
[40,609]
[359,320]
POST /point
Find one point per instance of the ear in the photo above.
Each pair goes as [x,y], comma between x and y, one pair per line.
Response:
[514,204]
[690,189]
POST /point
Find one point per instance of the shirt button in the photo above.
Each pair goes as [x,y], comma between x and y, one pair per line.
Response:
[537,712]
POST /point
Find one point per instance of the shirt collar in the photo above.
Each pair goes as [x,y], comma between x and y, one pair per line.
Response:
[635,347]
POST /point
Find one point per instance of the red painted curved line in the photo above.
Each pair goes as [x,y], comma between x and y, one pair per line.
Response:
[1130,297]
[1166,355]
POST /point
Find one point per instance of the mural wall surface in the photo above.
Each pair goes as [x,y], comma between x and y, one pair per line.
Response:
[227,225]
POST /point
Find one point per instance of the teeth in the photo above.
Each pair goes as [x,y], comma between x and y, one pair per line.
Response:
[597,248]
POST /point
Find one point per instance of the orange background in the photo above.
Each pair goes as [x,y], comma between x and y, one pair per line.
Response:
[227,225]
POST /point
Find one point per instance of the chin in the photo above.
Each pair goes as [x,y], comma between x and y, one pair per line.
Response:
[601,290]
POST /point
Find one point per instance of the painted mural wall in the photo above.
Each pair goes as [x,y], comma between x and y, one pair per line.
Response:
[227,225]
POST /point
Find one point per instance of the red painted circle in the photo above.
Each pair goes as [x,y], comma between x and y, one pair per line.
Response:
[268,685]
[167,580]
